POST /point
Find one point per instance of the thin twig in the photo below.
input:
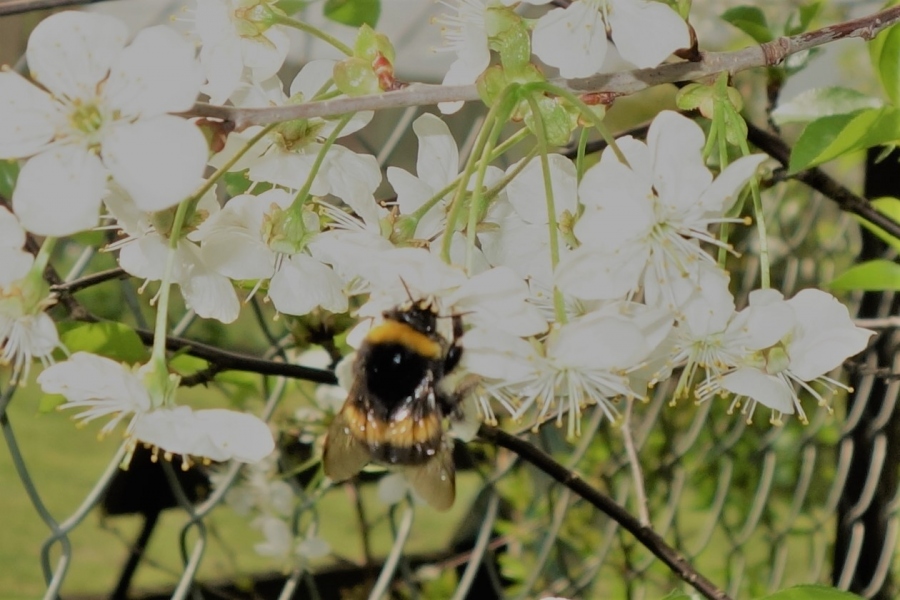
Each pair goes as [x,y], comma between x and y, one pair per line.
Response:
[87,281]
[617,84]
[645,535]
[13,7]
[640,494]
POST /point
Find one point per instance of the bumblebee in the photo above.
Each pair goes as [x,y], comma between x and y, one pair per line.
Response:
[394,414]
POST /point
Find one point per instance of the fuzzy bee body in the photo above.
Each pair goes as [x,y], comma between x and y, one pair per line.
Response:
[395,411]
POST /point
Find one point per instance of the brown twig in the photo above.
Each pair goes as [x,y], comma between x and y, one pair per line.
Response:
[709,64]
[645,535]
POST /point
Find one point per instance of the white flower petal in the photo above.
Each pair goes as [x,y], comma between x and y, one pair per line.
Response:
[159,161]
[722,194]
[645,33]
[303,283]
[824,337]
[311,78]
[768,390]
[27,117]
[71,52]
[222,64]
[155,74]
[240,436]
[412,192]
[12,235]
[85,376]
[498,299]
[208,293]
[438,159]
[590,274]
[59,190]
[145,257]
[526,190]
[572,39]
[680,176]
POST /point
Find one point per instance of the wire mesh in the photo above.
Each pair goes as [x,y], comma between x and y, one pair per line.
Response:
[754,507]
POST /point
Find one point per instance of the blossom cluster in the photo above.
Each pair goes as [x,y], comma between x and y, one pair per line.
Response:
[576,289]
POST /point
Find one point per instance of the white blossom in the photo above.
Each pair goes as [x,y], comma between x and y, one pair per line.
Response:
[144,253]
[239,42]
[100,111]
[26,331]
[574,39]
[101,387]
[643,221]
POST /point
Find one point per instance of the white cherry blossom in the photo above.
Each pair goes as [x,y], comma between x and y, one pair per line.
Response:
[100,111]
[101,387]
[144,253]
[238,43]
[808,336]
[583,362]
[287,155]
[26,331]
[642,222]
[243,242]
[574,39]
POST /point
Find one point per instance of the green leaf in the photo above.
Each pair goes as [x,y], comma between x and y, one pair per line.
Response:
[9,173]
[112,340]
[884,51]
[811,592]
[751,21]
[891,208]
[804,16]
[823,102]
[872,276]
[676,595]
[830,137]
[290,7]
[353,12]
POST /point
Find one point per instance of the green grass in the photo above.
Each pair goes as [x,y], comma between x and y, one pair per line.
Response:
[66,461]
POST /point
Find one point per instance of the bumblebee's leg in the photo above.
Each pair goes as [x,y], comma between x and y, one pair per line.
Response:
[454,354]
[450,402]
[435,481]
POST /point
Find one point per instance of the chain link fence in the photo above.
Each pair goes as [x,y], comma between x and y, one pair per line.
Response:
[753,507]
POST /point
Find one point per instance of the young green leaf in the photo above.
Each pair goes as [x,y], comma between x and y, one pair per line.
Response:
[830,137]
[751,21]
[811,592]
[885,53]
[112,340]
[872,276]
[353,12]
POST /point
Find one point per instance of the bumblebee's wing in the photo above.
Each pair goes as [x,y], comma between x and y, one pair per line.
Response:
[344,454]
[435,480]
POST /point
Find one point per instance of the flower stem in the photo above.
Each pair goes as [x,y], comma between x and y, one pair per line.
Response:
[303,194]
[498,151]
[478,198]
[559,305]
[314,31]
[498,112]
[160,329]
[579,156]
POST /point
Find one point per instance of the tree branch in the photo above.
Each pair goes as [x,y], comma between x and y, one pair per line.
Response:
[13,7]
[710,63]
[817,179]
[645,535]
